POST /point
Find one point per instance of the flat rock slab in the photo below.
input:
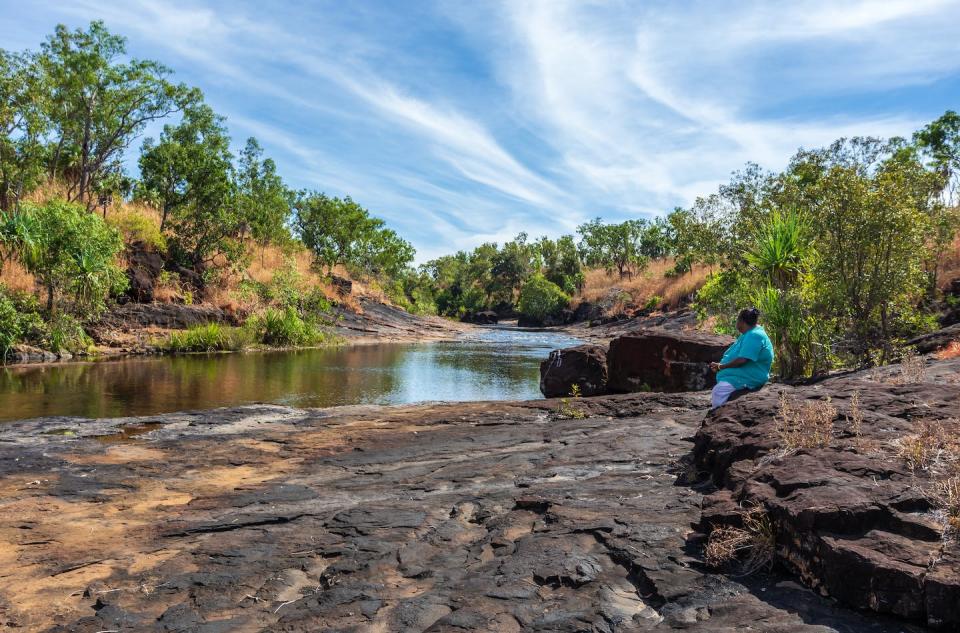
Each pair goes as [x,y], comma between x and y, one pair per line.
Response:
[479,517]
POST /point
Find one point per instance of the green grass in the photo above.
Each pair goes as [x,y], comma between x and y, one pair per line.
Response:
[212,337]
[272,328]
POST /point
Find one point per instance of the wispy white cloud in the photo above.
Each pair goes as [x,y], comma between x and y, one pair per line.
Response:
[462,123]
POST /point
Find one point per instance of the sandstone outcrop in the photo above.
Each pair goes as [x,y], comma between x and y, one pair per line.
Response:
[658,359]
[854,517]
[161,315]
[584,366]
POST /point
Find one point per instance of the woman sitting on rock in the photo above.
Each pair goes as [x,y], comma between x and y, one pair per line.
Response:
[746,364]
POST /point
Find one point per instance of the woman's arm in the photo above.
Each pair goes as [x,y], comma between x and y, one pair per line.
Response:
[736,362]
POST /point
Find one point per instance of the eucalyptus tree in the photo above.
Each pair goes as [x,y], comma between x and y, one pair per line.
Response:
[23,126]
[98,103]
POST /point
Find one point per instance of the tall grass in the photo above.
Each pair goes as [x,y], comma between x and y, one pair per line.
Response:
[654,281]
[211,337]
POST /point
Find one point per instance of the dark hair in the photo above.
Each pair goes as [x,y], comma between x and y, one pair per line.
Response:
[749,316]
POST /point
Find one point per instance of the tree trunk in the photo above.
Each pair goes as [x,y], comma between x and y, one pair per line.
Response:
[50,298]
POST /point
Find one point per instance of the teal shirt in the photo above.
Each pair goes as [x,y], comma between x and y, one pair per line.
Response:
[755,346]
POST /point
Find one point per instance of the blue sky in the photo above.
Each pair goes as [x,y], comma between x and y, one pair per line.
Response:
[464,122]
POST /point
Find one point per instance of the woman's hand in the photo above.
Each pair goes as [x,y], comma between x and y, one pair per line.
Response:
[714,366]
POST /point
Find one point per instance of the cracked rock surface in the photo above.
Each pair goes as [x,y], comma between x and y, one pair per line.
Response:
[449,517]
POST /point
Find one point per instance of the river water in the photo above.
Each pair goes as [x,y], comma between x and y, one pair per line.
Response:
[496,363]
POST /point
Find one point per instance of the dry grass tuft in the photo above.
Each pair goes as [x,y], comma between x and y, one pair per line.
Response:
[855,418]
[932,448]
[945,495]
[804,424]
[751,547]
[913,369]
[640,288]
[15,277]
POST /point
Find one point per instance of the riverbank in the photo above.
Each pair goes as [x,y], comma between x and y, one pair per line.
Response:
[490,516]
[143,329]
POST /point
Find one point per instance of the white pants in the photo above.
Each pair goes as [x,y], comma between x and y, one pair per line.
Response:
[720,393]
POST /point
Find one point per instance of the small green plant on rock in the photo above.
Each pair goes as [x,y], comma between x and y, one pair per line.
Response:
[567,411]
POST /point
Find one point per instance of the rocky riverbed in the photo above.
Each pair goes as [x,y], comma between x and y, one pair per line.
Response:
[449,517]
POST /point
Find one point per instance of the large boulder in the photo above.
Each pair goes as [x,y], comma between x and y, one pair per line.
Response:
[587,311]
[486,317]
[565,317]
[143,268]
[664,360]
[585,366]
[28,354]
[342,285]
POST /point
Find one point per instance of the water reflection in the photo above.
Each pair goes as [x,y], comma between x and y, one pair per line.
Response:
[499,364]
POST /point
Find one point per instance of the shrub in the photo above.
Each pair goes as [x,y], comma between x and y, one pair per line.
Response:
[65,333]
[913,368]
[946,496]
[653,302]
[73,251]
[19,321]
[541,298]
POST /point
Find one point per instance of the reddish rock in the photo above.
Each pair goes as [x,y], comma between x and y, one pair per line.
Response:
[585,366]
[663,360]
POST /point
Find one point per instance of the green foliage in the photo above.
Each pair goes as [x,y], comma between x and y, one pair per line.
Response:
[103,100]
[263,200]
[870,217]
[841,273]
[613,246]
[724,294]
[541,298]
[560,263]
[285,328]
[19,321]
[780,249]
[341,232]
[65,333]
[211,337]
[653,302]
[73,252]
[23,124]
[137,227]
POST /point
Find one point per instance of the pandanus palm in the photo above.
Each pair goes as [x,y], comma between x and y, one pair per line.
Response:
[779,253]
[780,248]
